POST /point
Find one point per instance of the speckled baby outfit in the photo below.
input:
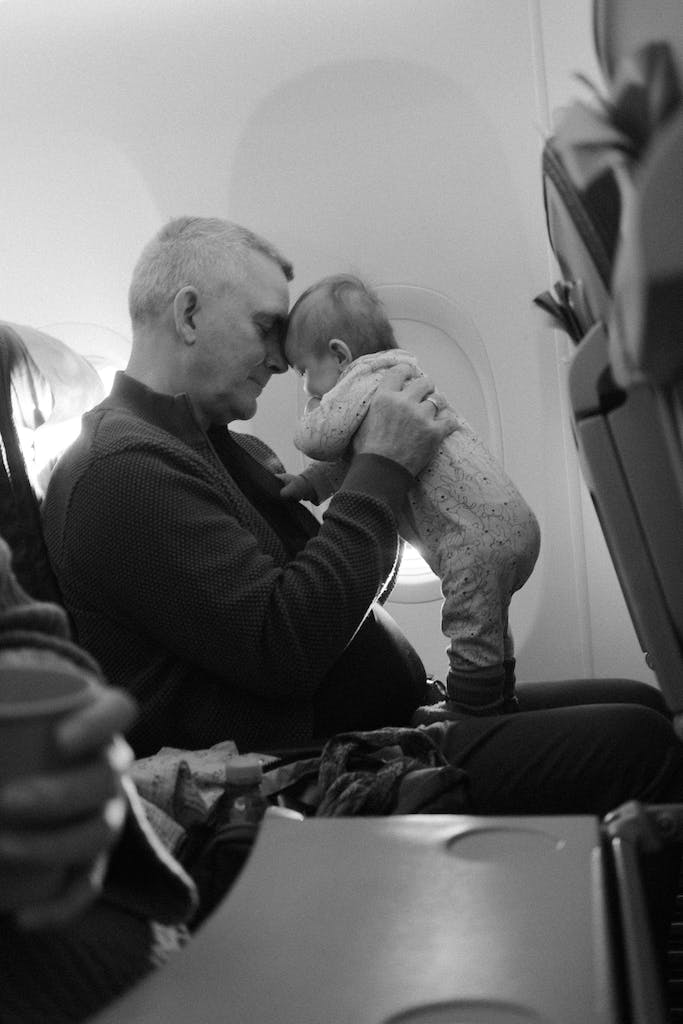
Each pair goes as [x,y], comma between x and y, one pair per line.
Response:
[464,514]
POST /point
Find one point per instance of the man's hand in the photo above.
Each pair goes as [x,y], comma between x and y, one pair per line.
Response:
[70,818]
[405,421]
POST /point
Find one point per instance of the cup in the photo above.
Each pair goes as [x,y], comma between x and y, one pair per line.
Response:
[32,700]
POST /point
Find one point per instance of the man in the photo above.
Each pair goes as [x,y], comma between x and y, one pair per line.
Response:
[229,614]
[226,612]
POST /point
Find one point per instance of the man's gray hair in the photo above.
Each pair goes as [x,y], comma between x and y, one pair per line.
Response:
[189,251]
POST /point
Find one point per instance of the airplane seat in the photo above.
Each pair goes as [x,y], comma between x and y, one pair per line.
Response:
[625,386]
[620,27]
[44,385]
[625,375]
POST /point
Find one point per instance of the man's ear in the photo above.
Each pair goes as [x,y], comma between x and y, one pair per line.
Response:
[185,305]
[342,351]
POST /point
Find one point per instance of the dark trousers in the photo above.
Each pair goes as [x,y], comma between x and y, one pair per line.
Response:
[575,747]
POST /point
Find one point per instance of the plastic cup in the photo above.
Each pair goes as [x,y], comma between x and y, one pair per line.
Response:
[32,700]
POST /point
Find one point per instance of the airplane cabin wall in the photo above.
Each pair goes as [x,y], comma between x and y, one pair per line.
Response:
[398,140]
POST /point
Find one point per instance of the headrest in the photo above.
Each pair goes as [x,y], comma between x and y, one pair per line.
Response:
[49,382]
[647,312]
[620,27]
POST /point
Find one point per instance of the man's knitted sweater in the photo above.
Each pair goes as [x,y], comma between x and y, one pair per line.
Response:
[221,624]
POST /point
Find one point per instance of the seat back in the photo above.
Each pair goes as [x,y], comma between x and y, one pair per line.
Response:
[19,508]
[42,383]
[631,453]
[620,27]
[582,220]
[626,376]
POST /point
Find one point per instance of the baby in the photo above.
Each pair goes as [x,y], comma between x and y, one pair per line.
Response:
[464,514]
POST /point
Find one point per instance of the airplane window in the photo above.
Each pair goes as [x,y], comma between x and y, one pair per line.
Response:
[105,349]
[415,582]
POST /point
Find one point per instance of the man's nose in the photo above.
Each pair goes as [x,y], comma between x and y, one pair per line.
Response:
[275,360]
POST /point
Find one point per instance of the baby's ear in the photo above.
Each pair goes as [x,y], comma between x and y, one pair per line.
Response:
[342,351]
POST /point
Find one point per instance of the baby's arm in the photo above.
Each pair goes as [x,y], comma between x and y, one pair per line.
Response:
[296,487]
[318,482]
[326,429]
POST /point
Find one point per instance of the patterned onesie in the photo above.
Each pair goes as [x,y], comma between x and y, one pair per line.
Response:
[465,516]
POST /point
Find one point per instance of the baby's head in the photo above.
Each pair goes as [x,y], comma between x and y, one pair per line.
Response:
[332,323]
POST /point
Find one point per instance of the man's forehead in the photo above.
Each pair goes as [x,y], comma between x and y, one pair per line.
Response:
[274,304]
[260,283]
[266,267]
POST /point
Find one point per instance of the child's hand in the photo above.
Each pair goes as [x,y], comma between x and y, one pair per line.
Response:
[296,488]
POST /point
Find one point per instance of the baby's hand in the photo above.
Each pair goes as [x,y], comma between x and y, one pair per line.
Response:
[296,488]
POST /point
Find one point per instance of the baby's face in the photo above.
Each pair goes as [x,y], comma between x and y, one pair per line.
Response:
[319,369]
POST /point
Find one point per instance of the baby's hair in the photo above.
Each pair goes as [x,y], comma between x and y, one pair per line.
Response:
[351,311]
